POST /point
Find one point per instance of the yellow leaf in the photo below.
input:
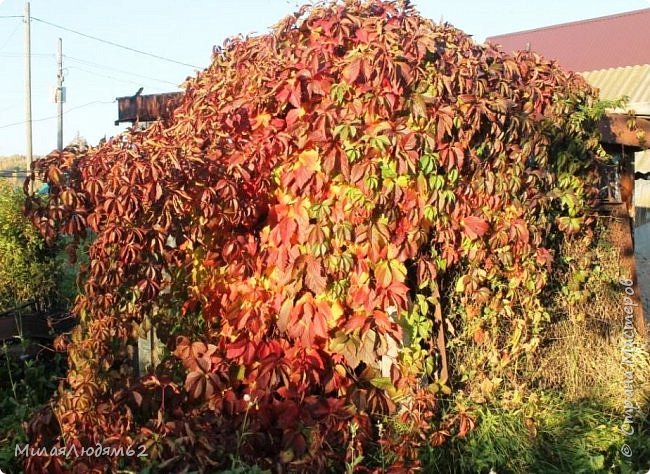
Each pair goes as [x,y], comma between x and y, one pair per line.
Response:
[309,159]
[262,120]
[337,311]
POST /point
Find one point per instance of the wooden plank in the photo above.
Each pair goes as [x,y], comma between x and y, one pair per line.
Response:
[35,325]
[621,232]
[32,326]
[615,129]
[16,308]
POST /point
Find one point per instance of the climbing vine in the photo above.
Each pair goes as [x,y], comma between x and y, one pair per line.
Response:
[293,233]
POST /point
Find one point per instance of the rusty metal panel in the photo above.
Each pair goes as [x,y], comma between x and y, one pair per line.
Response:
[147,108]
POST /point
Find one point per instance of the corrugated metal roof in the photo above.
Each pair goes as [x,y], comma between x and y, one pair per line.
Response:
[588,45]
[631,81]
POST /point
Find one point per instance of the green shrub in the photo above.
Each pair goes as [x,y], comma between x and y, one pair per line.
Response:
[29,269]
[544,434]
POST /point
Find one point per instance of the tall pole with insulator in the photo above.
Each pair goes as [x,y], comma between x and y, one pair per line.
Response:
[28,89]
[59,95]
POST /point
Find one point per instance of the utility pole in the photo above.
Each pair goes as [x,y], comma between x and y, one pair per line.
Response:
[60,98]
[28,88]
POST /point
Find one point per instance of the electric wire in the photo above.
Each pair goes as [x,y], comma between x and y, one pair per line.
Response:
[22,55]
[9,37]
[55,116]
[113,78]
[117,45]
[121,71]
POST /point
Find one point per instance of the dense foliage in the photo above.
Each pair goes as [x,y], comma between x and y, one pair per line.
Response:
[29,270]
[14,162]
[26,384]
[296,231]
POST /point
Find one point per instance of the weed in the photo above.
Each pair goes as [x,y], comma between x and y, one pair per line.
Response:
[354,458]
[25,385]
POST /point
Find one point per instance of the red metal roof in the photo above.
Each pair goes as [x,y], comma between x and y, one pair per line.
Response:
[598,43]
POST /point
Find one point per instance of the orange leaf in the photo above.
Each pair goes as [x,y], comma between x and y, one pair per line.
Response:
[314,279]
[475,227]
[352,70]
[284,314]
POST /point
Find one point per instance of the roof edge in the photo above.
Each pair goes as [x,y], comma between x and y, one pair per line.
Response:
[631,66]
[568,24]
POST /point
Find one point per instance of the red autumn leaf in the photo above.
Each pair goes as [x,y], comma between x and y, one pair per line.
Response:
[475,227]
[195,384]
[285,314]
[308,163]
[356,321]
[352,70]
[314,279]
[287,228]
[293,116]
[362,35]
[237,349]
[319,325]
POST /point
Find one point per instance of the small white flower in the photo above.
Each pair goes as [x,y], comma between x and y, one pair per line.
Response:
[247,398]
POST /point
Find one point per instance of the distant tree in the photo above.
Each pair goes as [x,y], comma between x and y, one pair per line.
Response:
[13,162]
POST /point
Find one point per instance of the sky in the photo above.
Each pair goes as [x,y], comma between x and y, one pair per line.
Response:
[185,32]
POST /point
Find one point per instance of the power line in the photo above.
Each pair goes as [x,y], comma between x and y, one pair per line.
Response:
[15,106]
[77,68]
[101,66]
[9,37]
[20,55]
[117,45]
[55,116]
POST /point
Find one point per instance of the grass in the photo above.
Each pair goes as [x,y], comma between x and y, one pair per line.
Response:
[544,434]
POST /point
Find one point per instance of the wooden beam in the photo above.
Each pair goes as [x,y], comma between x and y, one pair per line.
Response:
[615,129]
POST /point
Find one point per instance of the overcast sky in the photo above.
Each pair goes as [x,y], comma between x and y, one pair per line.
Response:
[96,73]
